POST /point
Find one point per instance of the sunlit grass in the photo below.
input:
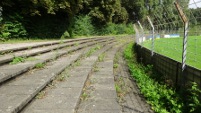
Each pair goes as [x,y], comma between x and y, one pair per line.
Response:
[172,48]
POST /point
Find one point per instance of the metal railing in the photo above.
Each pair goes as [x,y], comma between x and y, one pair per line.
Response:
[174,31]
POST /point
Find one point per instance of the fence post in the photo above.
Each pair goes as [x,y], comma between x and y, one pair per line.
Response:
[184,52]
[142,36]
[153,29]
[137,34]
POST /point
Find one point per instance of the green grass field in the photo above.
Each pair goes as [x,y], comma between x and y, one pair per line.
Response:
[172,47]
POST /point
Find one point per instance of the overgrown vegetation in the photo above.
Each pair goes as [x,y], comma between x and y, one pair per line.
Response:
[92,50]
[162,98]
[101,57]
[17,60]
[46,19]
[39,65]
[84,26]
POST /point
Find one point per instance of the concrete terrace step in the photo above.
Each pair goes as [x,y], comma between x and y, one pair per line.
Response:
[10,71]
[23,46]
[18,92]
[65,96]
[101,90]
[30,52]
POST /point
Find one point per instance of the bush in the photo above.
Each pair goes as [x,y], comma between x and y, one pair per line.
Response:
[12,28]
[116,29]
[83,26]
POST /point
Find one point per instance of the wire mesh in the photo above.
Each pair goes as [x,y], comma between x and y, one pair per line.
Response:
[169,31]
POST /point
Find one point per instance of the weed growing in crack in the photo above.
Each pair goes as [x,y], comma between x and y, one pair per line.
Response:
[92,50]
[76,44]
[95,68]
[121,88]
[115,65]
[56,54]
[76,63]
[101,57]
[84,96]
[17,60]
[29,48]
[39,65]
[41,95]
[63,75]
[61,42]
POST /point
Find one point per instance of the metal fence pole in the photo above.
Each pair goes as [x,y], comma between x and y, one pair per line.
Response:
[142,35]
[153,29]
[184,53]
[137,34]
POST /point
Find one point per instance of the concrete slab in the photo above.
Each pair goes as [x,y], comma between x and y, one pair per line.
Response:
[103,97]
[22,100]
[18,90]
[54,102]
[104,81]
[68,92]
[21,46]
[102,76]
[103,104]
[105,94]
[101,111]
[48,111]
[10,103]
[107,68]
[74,82]
[23,67]
[103,64]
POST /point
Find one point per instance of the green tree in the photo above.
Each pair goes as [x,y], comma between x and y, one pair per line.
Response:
[37,7]
[136,8]
[108,11]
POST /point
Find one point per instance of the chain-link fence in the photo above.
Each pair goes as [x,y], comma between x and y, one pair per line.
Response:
[173,31]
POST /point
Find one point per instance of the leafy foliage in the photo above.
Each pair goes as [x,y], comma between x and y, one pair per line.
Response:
[162,98]
[59,18]
[12,27]
[192,99]
[106,11]
[17,60]
[116,29]
[83,26]
[39,7]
